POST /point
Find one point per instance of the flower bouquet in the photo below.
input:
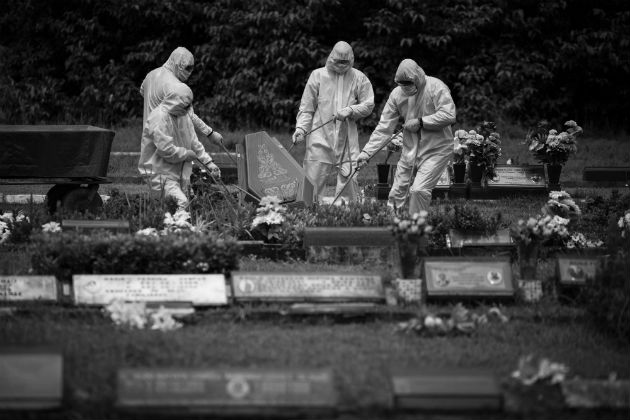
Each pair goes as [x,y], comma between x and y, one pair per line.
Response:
[269,219]
[410,234]
[552,148]
[460,156]
[531,234]
[484,146]
[561,204]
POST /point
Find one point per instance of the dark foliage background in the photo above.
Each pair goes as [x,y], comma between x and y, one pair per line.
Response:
[82,61]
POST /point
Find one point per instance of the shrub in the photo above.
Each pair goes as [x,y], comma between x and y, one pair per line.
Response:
[467,217]
[68,253]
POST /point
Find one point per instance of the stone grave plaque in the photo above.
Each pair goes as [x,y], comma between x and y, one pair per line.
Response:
[459,239]
[468,277]
[17,288]
[446,389]
[198,289]
[606,173]
[244,391]
[594,393]
[509,176]
[574,271]
[79,225]
[443,185]
[30,379]
[306,287]
[269,170]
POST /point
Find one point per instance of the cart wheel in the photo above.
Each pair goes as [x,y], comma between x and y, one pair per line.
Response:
[55,195]
[82,199]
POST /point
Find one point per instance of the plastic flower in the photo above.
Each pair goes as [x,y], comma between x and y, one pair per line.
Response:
[51,227]
[147,232]
[5,232]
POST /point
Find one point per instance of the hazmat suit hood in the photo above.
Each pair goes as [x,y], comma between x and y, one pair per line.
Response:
[180,63]
[178,100]
[410,71]
[341,51]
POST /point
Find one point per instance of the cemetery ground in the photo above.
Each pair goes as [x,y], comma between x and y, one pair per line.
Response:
[361,351]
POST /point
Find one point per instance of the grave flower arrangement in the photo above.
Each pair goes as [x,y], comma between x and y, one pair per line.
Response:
[410,234]
[484,147]
[459,320]
[578,241]
[550,147]
[460,148]
[270,217]
[561,204]
[137,315]
[541,229]
[14,228]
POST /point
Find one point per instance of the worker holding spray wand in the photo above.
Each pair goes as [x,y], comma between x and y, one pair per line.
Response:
[335,97]
[428,110]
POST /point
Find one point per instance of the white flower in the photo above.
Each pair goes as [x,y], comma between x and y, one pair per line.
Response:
[51,227]
[203,266]
[147,232]
[163,320]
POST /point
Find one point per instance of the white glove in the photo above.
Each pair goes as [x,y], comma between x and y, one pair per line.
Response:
[413,125]
[214,170]
[190,156]
[343,113]
[216,137]
[362,160]
[298,136]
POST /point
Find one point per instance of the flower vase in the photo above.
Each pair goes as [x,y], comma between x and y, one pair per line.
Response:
[528,259]
[475,173]
[553,174]
[459,173]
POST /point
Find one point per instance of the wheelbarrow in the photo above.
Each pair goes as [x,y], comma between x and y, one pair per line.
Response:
[72,157]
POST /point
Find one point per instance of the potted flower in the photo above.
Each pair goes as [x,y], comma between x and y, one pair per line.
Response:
[531,234]
[484,146]
[460,156]
[411,237]
[552,148]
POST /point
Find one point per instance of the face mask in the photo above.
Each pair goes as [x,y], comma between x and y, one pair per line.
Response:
[340,66]
[409,90]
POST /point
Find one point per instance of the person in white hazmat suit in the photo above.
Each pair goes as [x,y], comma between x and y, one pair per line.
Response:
[344,93]
[172,145]
[155,87]
[425,104]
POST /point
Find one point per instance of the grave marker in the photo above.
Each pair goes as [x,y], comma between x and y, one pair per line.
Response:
[30,379]
[198,289]
[574,271]
[269,170]
[227,391]
[513,180]
[443,185]
[81,225]
[468,277]
[446,389]
[459,239]
[20,288]
[306,287]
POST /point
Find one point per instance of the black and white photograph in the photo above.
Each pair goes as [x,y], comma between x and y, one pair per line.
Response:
[315,209]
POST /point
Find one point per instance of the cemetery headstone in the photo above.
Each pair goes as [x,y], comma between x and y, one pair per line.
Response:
[593,393]
[298,287]
[198,289]
[228,391]
[269,170]
[82,225]
[513,180]
[30,379]
[606,173]
[24,288]
[472,277]
[459,239]
[574,271]
[446,390]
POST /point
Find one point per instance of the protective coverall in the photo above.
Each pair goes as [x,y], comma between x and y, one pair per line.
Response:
[156,85]
[171,145]
[428,110]
[335,91]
